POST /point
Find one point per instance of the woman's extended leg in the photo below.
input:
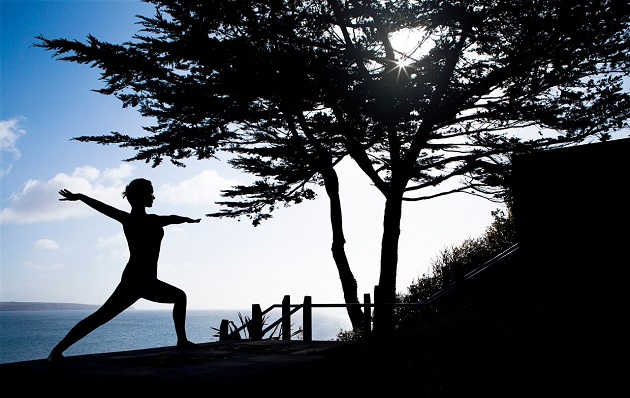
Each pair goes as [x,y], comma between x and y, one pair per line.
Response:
[119,301]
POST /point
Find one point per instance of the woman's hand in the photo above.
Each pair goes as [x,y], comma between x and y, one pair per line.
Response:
[67,195]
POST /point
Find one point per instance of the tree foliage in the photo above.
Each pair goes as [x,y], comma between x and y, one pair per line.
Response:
[290,88]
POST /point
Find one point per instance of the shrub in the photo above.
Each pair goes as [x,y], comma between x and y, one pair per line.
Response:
[462,258]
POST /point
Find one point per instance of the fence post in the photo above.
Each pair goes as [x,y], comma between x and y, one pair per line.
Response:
[367,316]
[256,324]
[307,313]
[286,318]
[223,330]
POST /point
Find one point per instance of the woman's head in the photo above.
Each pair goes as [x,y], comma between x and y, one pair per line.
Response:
[139,192]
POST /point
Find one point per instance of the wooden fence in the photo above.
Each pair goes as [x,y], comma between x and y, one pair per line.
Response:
[257,330]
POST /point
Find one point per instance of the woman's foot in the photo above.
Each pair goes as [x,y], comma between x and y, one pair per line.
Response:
[186,345]
[55,357]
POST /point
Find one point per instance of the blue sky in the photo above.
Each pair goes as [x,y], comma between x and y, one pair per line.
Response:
[66,252]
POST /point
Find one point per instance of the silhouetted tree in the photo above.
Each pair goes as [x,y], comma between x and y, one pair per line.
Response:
[292,87]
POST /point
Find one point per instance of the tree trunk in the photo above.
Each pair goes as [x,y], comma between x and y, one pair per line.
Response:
[348,282]
[389,264]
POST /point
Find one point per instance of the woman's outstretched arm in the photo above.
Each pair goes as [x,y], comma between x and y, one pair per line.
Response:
[97,205]
[175,219]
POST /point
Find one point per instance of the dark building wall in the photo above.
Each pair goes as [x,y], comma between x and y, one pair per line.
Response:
[573,203]
[572,214]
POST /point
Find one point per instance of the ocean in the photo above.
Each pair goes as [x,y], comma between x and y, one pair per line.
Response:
[30,335]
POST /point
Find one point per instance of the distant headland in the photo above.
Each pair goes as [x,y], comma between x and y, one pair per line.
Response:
[41,306]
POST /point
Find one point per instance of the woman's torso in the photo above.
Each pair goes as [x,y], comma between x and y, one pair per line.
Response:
[144,236]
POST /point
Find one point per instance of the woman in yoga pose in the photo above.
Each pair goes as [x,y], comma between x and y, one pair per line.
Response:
[144,234]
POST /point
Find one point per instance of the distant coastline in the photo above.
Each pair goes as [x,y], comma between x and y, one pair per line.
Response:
[42,306]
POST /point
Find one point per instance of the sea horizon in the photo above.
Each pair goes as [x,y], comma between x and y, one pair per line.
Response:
[30,335]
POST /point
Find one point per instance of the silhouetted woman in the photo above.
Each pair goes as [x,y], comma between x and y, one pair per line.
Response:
[144,234]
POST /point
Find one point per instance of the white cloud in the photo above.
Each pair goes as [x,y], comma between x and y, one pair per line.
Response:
[39,267]
[202,189]
[10,132]
[39,200]
[121,173]
[46,244]
[116,246]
